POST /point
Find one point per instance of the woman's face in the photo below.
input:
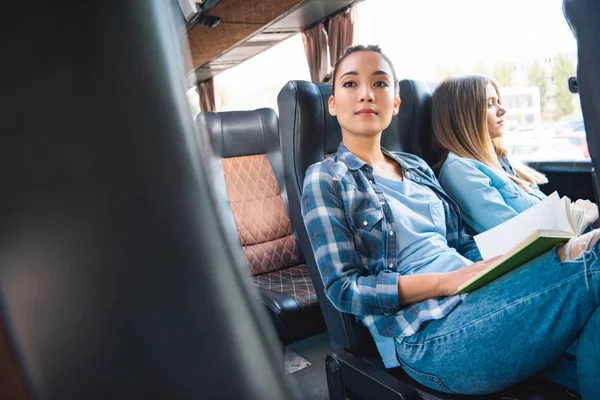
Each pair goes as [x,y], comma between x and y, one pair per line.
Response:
[495,113]
[365,98]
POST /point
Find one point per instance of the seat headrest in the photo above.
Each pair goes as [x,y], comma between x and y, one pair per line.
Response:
[240,133]
[307,101]
[415,119]
[305,120]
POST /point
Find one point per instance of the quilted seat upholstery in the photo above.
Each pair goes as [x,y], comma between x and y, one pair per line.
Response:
[250,167]
[260,214]
[293,281]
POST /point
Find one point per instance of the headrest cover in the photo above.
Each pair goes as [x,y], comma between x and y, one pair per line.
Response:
[239,133]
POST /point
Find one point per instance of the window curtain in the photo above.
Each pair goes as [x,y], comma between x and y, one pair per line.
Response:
[315,47]
[206,90]
[340,33]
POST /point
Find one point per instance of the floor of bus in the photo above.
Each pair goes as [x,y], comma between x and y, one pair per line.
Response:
[311,380]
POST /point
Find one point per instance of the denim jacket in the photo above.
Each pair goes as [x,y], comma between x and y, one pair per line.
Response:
[487,197]
[348,221]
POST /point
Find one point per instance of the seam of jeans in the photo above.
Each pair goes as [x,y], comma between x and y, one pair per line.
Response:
[429,377]
[491,314]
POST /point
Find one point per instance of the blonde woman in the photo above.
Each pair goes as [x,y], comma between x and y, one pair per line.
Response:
[468,122]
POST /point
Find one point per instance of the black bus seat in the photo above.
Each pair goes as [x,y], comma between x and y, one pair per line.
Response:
[249,165]
[107,282]
[581,16]
[308,133]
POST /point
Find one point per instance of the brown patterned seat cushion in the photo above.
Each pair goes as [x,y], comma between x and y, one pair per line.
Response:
[293,281]
[260,214]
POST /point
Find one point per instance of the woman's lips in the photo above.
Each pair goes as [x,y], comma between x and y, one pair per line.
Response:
[366,113]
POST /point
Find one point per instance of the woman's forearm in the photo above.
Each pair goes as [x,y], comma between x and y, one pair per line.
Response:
[415,288]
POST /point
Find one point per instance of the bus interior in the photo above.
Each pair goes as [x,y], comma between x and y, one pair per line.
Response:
[153,244]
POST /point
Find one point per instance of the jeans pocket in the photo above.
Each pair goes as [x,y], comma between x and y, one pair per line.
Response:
[425,379]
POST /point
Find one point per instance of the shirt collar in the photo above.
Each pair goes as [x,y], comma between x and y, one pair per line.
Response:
[353,162]
[505,164]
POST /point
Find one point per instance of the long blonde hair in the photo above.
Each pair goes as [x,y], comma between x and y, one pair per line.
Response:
[459,122]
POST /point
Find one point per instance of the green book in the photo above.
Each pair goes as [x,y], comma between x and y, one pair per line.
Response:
[528,235]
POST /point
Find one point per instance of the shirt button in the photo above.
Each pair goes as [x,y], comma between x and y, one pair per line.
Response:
[365,223]
[392,233]
[370,181]
[390,265]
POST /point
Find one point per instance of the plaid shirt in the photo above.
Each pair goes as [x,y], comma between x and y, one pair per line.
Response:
[348,220]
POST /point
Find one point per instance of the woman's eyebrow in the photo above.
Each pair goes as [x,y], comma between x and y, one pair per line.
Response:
[380,72]
[349,73]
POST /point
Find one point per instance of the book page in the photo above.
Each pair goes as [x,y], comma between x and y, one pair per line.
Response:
[571,213]
[575,214]
[548,215]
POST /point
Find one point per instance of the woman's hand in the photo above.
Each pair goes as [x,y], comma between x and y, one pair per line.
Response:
[591,214]
[450,281]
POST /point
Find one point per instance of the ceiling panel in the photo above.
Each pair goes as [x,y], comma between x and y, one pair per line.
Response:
[249,28]
[239,19]
[309,14]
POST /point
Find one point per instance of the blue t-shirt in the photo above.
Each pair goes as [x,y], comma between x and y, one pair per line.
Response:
[420,231]
[420,222]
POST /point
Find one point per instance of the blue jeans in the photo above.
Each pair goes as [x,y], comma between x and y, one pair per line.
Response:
[517,326]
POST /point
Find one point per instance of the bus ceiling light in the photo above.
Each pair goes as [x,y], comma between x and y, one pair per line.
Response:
[209,21]
[194,11]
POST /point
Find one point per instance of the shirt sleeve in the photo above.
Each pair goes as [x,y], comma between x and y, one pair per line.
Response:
[482,206]
[347,284]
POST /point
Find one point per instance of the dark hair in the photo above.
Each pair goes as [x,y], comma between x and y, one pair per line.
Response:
[361,47]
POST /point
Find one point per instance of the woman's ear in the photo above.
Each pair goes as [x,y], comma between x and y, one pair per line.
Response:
[396,105]
[331,104]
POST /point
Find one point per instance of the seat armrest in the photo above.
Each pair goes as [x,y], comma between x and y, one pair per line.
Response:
[291,320]
[367,380]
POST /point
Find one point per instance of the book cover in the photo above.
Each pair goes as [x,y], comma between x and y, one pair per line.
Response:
[533,248]
[530,234]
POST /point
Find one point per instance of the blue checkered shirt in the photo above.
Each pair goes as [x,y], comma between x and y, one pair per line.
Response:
[348,220]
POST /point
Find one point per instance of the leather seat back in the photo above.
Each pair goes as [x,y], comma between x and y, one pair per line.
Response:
[109,226]
[415,119]
[247,143]
[248,163]
[308,133]
[582,18]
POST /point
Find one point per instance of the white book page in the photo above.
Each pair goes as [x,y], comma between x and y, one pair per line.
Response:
[548,215]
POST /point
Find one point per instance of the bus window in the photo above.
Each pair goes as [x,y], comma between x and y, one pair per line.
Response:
[531,53]
[256,82]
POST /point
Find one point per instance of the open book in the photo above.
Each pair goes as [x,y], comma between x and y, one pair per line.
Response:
[526,236]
